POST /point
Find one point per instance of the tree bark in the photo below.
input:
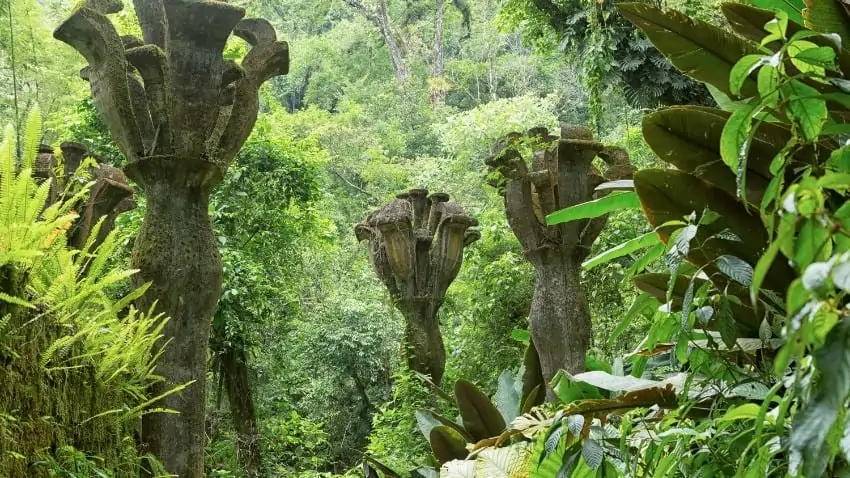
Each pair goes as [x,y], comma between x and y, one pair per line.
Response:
[235,369]
[397,58]
[176,251]
[438,90]
[381,19]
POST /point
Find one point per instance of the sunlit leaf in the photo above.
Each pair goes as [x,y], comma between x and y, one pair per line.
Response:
[599,207]
[806,107]
[748,411]
[458,469]
[507,462]
[815,275]
[626,248]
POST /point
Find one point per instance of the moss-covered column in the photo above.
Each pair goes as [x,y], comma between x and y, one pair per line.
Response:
[557,178]
[416,247]
[179,112]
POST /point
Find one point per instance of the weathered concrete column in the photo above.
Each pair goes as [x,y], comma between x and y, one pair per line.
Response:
[416,246]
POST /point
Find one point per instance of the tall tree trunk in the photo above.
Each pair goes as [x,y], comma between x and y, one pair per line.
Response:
[235,369]
[397,58]
[438,88]
[176,251]
[381,19]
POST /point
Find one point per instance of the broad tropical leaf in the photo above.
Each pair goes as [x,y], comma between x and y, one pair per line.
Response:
[827,16]
[480,417]
[700,50]
[624,249]
[508,462]
[508,396]
[458,469]
[532,379]
[640,305]
[447,444]
[613,383]
[596,208]
[689,138]
[669,195]
[619,185]
[794,8]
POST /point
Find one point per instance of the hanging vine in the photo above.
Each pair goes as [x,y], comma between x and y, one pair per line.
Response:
[596,60]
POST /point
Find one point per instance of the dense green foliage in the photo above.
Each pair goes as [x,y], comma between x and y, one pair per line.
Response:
[717,289]
[77,361]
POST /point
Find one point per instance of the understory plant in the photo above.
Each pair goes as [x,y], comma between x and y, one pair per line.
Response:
[77,362]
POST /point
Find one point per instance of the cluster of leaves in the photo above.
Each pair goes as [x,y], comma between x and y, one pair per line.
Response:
[63,333]
[613,52]
[744,370]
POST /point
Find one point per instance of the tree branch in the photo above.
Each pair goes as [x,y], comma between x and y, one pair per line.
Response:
[366,11]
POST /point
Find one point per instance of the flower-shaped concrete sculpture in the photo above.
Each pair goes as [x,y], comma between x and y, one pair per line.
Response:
[558,178]
[179,112]
[110,195]
[416,245]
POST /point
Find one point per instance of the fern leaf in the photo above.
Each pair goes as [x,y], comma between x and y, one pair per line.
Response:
[60,343]
[32,137]
[16,300]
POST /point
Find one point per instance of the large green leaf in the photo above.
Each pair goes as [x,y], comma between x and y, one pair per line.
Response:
[827,16]
[698,49]
[794,8]
[670,195]
[596,208]
[427,420]
[614,383]
[447,444]
[624,249]
[640,305]
[814,421]
[508,396]
[749,22]
[480,417]
[747,320]
[689,138]
[570,390]
[533,383]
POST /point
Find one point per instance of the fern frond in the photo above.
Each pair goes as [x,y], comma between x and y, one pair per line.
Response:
[57,345]
[16,300]
[32,137]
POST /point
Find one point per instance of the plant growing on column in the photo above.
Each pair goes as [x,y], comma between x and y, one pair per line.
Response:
[559,175]
[179,113]
[416,245]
